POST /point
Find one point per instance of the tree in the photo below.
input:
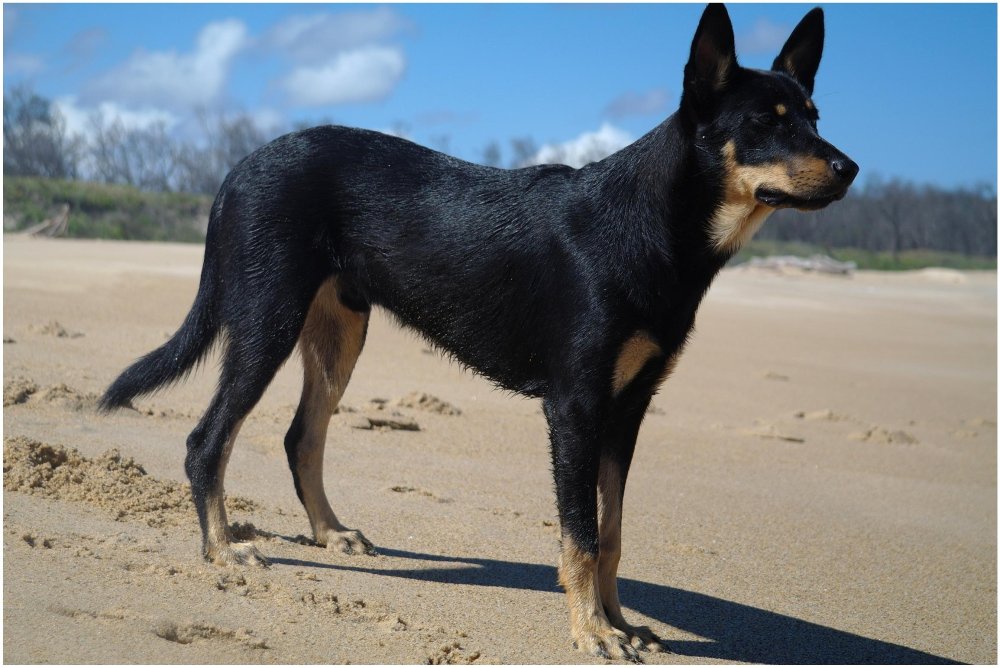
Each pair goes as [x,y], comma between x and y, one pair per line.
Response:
[140,157]
[202,168]
[491,155]
[35,138]
[895,215]
[524,149]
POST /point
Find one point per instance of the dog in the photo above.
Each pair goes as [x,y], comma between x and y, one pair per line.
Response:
[576,286]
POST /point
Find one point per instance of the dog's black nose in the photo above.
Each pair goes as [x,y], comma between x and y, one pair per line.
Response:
[845,168]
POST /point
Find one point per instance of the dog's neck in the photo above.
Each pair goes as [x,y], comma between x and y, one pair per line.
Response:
[661,251]
[662,178]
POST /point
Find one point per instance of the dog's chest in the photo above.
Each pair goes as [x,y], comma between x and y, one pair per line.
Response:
[735,221]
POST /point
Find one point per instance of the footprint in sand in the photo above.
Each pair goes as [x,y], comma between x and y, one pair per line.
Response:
[766,430]
[883,436]
[375,415]
[34,541]
[824,414]
[405,489]
[53,328]
[451,653]
[188,633]
[388,422]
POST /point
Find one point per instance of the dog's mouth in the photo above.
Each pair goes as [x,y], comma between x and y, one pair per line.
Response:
[781,200]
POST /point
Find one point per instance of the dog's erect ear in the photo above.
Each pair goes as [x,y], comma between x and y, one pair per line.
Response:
[712,63]
[799,58]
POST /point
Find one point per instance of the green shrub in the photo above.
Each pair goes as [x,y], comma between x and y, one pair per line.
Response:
[99,210]
[866,259]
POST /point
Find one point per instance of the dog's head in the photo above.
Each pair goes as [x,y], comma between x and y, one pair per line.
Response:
[760,125]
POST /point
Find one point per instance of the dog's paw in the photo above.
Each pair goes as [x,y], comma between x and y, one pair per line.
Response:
[237,554]
[349,542]
[643,639]
[607,643]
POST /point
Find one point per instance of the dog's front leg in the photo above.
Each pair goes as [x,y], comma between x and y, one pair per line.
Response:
[616,457]
[574,427]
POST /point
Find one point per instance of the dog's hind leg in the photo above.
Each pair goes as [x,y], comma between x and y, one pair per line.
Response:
[330,343]
[258,342]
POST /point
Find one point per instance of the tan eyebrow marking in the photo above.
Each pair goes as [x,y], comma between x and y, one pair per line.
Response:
[781,109]
[810,105]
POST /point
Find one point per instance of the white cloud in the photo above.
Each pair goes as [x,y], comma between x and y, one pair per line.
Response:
[763,38]
[361,75]
[588,147]
[175,80]
[311,39]
[79,119]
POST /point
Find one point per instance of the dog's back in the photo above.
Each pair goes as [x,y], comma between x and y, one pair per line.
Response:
[497,267]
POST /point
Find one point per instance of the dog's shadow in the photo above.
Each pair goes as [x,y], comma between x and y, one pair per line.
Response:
[732,631]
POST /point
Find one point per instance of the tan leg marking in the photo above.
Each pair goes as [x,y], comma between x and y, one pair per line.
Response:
[591,630]
[219,546]
[669,367]
[330,343]
[609,518]
[635,352]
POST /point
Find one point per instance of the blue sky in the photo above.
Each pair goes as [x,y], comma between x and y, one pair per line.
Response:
[907,90]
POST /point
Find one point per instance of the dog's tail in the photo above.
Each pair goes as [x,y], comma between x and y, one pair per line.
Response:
[176,358]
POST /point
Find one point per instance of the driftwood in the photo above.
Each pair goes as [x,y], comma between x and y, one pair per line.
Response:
[55,226]
[817,263]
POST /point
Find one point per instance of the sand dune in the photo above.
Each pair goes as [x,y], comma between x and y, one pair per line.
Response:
[815,483]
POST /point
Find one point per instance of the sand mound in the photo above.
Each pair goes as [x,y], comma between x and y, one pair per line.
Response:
[17,390]
[68,397]
[112,482]
[426,402]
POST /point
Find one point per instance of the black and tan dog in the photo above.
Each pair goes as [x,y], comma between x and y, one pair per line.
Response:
[578,286]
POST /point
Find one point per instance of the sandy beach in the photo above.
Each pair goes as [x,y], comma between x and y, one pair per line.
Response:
[816,483]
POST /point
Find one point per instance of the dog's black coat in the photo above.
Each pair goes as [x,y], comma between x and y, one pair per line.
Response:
[532,277]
